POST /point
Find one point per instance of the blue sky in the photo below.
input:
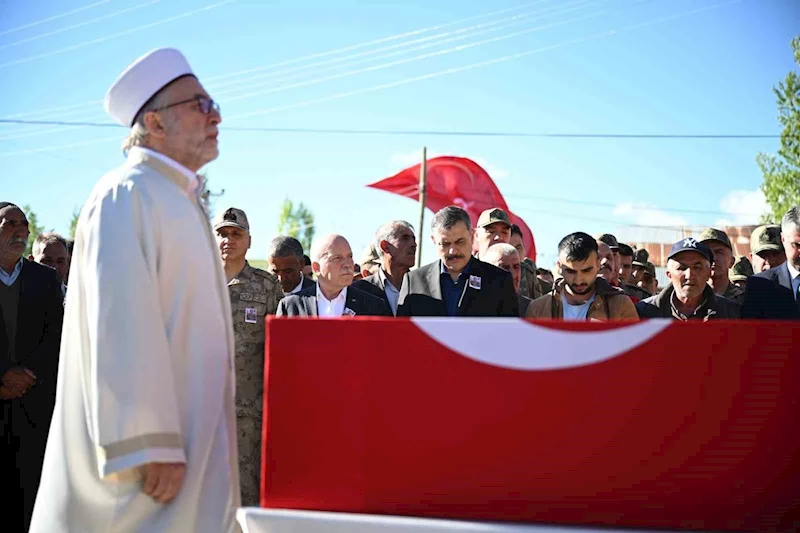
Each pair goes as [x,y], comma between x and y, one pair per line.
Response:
[677,66]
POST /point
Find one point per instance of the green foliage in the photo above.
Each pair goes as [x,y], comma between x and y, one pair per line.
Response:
[298,222]
[73,224]
[781,172]
[34,227]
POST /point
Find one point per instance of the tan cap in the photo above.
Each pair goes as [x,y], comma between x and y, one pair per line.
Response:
[741,269]
[490,216]
[610,240]
[765,238]
[712,234]
[231,217]
[370,255]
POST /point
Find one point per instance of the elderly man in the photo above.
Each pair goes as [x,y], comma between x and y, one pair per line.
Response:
[582,293]
[457,284]
[31,314]
[689,296]
[332,296]
[396,247]
[506,257]
[254,294]
[775,293]
[608,266]
[532,285]
[143,437]
[720,245]
[285,257]
[766,248]
[50,249]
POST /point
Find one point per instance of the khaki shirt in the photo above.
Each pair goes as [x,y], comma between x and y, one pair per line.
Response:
[530,285]
[734,293]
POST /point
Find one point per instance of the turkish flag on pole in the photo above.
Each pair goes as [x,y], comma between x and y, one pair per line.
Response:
[456,181]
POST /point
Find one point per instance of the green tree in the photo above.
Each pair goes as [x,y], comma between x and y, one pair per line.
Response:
[34,227]
[298,222]
[781,185]
[73,224]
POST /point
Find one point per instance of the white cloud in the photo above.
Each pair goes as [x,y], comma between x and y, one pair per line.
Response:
[648,215]
[407,159]
[742,207]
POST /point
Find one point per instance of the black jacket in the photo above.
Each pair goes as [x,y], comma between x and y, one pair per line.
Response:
[769,296]
[421,294]
[38,337]
[304,303]
[658,306]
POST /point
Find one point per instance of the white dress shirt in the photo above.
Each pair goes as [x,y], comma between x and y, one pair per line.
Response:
[795,274]
[8,278]
[194,183]
[331,308]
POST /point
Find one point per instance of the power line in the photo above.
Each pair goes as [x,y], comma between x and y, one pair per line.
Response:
[78,25]
[54,17]
[436,133]
[114,35]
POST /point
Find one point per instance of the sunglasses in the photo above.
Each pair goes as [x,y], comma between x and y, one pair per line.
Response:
[205,104]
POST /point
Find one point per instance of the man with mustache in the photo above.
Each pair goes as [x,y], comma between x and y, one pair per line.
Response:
[582,293]
[254,294]
[31,313]
[774,293]
[333,296]
[689,296]
[143,437]
[457,284]
[396,247]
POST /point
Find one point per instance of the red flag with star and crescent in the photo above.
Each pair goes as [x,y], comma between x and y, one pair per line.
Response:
[456,181]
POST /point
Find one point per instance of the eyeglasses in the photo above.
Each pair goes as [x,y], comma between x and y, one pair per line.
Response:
[205,104]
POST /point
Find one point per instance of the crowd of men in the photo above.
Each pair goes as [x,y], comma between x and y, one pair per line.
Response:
[119,358]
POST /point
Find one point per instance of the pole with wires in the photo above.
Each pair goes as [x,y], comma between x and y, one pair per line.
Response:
[423,183]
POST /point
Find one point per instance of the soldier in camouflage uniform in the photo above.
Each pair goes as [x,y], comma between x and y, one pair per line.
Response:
[740,271]
[254,294]
[720,245]
[530,285]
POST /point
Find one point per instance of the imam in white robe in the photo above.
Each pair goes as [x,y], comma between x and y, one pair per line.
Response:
[146,365]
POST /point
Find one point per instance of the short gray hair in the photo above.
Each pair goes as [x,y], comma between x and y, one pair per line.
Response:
[43,240]
[138,134]
[791,220]
[449,216]
[285,246]
[388,232]
[500,250]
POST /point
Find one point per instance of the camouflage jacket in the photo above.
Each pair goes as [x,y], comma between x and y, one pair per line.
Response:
[254,294]
[638,292]
[734,293]
[530,285]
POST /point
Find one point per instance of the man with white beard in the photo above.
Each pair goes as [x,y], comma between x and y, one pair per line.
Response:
[143,437]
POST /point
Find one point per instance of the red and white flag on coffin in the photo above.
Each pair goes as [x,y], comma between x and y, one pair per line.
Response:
[456,181]
[656,424]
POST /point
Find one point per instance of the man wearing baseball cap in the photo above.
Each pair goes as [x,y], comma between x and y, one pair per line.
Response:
[689,296]
[640,258]
[649,283]
[740,270]
[766,249]
[254,294]
[143,436]
[720,245]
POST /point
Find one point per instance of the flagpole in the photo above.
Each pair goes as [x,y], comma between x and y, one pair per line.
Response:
[423,182]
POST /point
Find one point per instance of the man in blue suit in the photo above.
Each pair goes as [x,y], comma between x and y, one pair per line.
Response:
[773,294]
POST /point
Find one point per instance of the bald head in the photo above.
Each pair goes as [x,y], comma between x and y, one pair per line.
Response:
[505,256]
[332,261]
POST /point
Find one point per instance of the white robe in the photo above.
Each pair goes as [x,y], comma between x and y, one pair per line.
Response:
[146,367]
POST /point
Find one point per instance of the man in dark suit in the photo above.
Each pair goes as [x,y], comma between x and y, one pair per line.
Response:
[773,294]
[31,313]
[457,284]
[285,257]
[332,296]
[396,247]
